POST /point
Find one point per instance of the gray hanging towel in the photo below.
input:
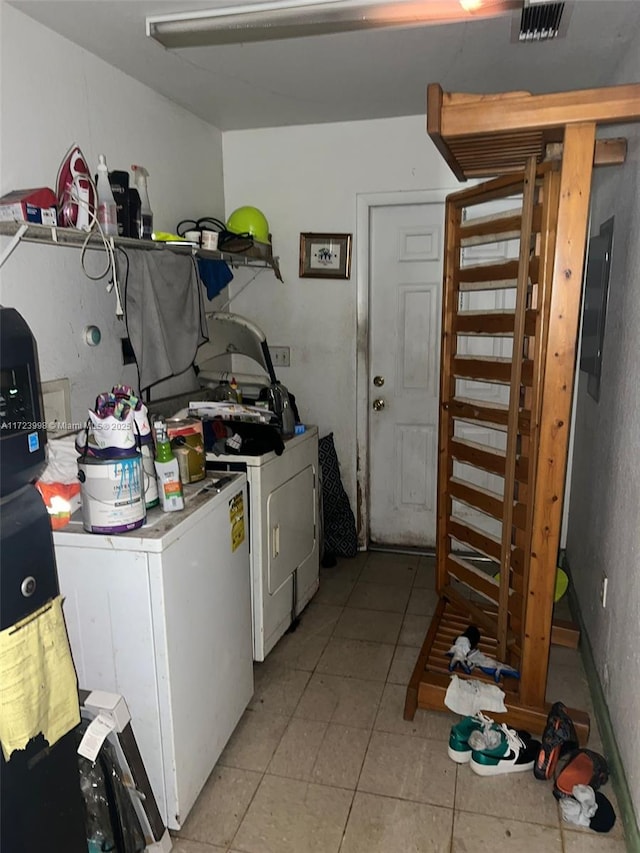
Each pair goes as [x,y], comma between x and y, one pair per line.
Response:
[164,310]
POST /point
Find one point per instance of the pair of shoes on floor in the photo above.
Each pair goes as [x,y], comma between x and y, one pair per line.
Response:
[491,749]
[576,787]
[559,738]
[577,779]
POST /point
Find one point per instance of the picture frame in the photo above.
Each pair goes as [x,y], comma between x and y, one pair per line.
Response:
[325,255]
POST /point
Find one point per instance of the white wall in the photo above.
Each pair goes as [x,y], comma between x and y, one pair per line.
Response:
[307,178]
[55,94]
[604,526]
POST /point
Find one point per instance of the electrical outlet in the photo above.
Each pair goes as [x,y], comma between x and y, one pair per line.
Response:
[604,583]
[280,356]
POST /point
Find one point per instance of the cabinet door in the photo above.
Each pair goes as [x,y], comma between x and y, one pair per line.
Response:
[291,520]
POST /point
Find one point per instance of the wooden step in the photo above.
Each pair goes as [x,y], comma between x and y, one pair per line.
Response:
[487,458]
[472,576]
[477,497]
[475,538]
[486,501]
[496,227]
[490,369]
[494,415]
[493,276]
[492,322]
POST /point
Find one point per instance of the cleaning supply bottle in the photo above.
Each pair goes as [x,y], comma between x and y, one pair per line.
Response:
[236,390]
[140,176]
[168,471]
[107,207]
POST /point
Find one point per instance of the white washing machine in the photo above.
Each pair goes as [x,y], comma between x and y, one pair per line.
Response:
[283,533]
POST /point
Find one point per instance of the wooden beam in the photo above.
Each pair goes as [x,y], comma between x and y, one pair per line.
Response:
[449,345]
[517,375]
[566,634]
[433,686]
[608,152]
[573,214]
[487,114]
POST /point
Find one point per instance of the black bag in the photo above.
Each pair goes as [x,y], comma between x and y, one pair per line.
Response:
[340,535]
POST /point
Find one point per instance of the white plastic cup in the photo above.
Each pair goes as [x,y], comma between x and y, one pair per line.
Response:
[210,240]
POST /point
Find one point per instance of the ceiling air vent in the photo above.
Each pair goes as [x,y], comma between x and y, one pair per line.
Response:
[540,20]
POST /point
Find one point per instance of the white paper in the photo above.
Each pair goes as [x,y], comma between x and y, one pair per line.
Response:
[95,736]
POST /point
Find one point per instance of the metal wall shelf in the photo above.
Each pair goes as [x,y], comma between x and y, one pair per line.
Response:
[74,238]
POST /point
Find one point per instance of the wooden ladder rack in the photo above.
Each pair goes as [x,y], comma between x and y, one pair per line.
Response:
[511,299]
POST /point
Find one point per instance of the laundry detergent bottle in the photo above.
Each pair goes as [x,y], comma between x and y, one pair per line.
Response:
[168,471]
[107,208]
[140,176]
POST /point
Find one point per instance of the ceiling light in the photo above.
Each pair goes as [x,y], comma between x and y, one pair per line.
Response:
[279,19]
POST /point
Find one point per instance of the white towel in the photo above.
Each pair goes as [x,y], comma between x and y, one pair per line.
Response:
[164,309]
[468,696]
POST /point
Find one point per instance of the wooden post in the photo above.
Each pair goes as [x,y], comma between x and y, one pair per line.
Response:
[573,216]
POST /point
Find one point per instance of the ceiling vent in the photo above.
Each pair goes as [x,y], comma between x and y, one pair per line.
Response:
[540,20]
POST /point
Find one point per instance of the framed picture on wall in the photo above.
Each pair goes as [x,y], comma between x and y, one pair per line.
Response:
[325,255]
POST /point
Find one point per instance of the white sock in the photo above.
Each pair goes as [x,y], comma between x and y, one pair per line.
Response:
[580,808]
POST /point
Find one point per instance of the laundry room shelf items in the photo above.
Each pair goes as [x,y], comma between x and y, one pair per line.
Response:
[74,238]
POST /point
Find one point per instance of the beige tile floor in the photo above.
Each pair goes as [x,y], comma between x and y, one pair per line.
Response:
[323,761]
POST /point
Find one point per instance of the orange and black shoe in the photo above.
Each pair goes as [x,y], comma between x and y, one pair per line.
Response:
[559,737]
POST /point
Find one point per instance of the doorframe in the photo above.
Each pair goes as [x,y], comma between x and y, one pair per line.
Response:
[365,202]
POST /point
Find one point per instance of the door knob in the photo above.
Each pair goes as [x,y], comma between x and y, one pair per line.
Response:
[378,381]
[378,405]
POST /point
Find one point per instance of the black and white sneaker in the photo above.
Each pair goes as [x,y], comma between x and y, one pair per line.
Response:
[516,752]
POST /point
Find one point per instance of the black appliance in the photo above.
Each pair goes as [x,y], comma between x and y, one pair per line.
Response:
[41,803]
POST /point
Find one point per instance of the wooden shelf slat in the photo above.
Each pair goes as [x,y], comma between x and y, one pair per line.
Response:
[488,458]
[489,369]
[492,322]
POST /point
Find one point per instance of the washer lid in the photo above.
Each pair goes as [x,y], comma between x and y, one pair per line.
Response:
[231,334]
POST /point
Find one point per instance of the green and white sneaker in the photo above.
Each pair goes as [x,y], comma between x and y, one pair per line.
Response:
[477,728]
[515,753]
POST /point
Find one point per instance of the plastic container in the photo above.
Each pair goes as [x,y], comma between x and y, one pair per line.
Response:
[167,471]
[223,391]
[140,176]
[187,442]
[236,390]
[107,207]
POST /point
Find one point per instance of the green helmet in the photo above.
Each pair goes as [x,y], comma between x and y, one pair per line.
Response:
[249,220]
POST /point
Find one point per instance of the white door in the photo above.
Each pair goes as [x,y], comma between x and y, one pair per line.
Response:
[406,253]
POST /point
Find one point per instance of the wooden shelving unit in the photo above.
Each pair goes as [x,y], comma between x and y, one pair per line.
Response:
[500,492]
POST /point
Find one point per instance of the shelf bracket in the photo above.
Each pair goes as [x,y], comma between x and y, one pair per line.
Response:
[12,244]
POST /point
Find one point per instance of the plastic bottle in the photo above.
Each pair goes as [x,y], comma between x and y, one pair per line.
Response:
[168,471]
[224,392]
[236,390]
[107,207]
[140,176]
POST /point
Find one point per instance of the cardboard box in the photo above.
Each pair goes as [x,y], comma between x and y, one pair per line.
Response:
[34,205]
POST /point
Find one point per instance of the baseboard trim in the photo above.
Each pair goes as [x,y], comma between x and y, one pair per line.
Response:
[614,760]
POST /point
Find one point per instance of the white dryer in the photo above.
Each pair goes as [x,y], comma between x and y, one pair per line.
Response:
[283,489]
[283,533]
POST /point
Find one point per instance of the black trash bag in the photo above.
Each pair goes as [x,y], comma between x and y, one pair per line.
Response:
[110,818]
[340,536]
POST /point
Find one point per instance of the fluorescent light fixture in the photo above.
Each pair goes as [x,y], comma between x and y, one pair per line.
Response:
[280,19]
